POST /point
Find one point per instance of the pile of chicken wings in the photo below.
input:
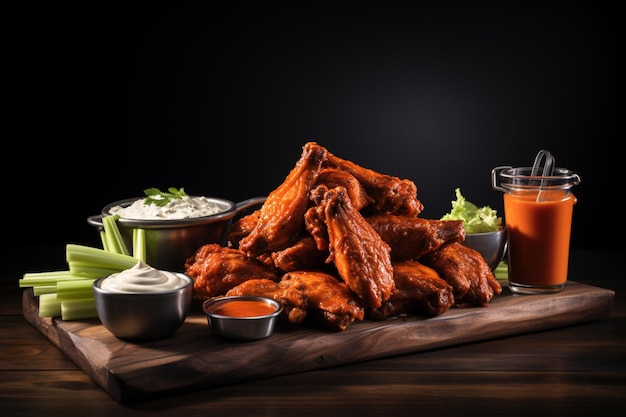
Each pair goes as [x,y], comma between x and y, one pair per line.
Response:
[337,242]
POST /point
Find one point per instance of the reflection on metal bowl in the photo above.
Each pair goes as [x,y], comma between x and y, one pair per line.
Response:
[491,245]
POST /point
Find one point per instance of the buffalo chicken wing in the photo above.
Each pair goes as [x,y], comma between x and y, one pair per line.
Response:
[411,237]
[419,289]
[360,255]
[329,300]
[390,194]
[467,272]
[216,269]
[282,214]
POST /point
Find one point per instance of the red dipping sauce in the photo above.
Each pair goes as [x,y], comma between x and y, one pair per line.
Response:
[242,308]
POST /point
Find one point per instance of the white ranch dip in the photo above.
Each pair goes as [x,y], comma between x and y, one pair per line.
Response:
[185,207]
[142,278]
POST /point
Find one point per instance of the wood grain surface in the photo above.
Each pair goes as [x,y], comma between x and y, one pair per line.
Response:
[193,359]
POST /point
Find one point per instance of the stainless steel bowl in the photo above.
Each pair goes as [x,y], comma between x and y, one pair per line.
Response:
[241,328]
[143,316]
[170,242]
[491,245]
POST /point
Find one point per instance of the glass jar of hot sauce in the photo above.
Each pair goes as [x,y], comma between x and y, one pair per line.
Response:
[538,212]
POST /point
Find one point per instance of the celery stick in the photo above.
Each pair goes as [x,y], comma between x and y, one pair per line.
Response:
[78,309]
[87,270]
[109,242]
[46,274]
[112,244]
[98,257]
[114,237]
[71,290]
[139,244]
[501,272]
[44,289]
[49,305]
[45,279]
[33,281]
[105,242]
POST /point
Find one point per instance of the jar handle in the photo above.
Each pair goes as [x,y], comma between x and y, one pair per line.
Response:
[494,177]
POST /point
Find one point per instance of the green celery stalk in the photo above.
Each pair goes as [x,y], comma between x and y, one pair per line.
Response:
[33,279]
[71,290]
[105,242]
[115,242]
[139,244]
[88,270]
[46,274]
[78,309]
[98,257]
[44,289]
[49,305]
[501,272]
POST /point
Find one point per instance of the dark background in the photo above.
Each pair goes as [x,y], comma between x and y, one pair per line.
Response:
[113,98]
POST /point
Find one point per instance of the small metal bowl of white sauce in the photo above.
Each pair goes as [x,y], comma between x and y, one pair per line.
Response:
[143,314]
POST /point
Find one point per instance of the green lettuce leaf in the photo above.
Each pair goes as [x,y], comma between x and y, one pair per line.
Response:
[475,219]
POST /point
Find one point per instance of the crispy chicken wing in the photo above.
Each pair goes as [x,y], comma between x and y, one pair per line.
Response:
[242,227]
[361,257]
[328,299]
[390,194]
[315,223]
[216,269]
[282,213]
[333,177]
[467,272]
[411,237]
[301,255]
[419,289]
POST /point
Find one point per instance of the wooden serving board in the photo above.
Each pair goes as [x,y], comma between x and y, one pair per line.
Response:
[194,359]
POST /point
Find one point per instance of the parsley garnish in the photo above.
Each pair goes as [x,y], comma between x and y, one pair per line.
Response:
[160,198]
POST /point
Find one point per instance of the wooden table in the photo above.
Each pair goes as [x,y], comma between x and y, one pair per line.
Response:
[569,371]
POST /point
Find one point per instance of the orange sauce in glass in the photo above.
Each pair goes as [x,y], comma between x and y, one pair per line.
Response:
[539,236]
[243,308]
